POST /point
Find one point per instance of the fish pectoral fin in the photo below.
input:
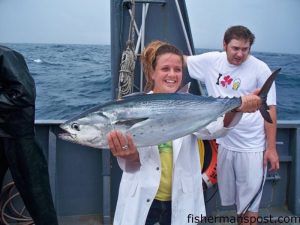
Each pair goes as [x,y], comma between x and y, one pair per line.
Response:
[130,122]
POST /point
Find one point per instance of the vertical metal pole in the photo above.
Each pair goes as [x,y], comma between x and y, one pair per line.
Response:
[106,186]
[142,31]
[52,162]
[201,86]
[294,192]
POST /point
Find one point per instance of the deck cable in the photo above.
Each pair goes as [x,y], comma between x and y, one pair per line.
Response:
[12,209]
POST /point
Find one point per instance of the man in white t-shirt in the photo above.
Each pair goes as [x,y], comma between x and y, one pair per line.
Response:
[251,144]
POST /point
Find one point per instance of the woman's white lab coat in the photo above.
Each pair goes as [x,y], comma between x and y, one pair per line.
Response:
[140,182]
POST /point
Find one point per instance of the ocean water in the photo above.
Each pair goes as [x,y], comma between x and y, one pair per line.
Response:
[72,78]
[69,78]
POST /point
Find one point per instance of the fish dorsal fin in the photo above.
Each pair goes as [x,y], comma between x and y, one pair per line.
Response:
[134,94]
[185,89]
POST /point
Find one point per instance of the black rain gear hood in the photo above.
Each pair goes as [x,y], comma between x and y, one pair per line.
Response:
[17,95]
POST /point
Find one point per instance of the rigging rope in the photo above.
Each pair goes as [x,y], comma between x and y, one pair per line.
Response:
[127,66]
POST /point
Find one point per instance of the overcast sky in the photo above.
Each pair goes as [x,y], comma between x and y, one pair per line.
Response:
[276,23]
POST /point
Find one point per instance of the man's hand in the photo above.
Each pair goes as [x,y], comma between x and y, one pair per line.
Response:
[271,152]
[250,102]
[272,157]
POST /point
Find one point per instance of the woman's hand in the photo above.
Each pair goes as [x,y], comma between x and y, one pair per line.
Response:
[122,146]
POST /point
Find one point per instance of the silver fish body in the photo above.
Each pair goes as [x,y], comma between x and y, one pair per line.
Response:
[150,119]
[155,118]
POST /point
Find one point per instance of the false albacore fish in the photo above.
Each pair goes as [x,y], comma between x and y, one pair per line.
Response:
[152,119]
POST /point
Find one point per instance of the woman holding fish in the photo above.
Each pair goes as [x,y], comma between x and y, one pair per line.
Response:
[163,183]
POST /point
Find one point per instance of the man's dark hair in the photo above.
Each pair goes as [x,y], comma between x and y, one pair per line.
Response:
[238,32]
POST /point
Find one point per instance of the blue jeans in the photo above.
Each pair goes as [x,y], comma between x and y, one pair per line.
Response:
[160,211]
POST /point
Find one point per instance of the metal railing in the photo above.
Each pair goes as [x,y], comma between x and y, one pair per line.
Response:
[85,184]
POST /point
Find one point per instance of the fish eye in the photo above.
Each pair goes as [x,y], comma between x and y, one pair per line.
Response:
[75,126]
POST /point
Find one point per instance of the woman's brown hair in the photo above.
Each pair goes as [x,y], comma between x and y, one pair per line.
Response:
[149,59]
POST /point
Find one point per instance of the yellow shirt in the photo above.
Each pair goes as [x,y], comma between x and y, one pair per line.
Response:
[164,192]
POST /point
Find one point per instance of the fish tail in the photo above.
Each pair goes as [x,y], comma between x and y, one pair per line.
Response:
[263,95]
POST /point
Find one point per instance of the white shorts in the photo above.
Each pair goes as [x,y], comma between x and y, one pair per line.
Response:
[240,178]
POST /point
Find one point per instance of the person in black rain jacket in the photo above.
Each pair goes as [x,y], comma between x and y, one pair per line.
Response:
[19,151]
